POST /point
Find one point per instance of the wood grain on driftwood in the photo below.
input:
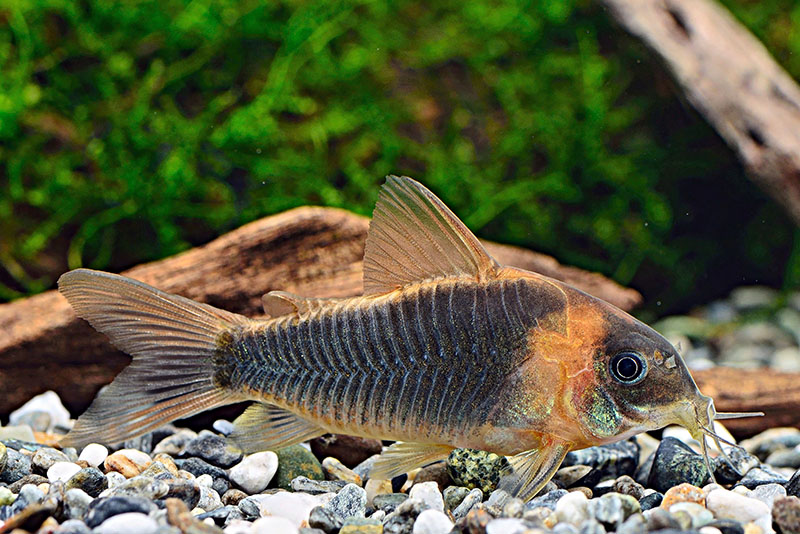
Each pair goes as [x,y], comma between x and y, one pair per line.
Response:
[731,79]
[308,251]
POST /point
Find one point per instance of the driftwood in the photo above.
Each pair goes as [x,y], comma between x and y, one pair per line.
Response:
[731,79]
[746,390]
[308,251]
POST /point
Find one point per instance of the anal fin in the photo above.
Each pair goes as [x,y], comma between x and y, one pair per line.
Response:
[267,427]
[403,457]
[533,469]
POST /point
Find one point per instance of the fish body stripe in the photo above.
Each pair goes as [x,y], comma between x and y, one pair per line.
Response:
[421,362]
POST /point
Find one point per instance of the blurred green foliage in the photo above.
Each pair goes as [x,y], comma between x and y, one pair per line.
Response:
[132,130]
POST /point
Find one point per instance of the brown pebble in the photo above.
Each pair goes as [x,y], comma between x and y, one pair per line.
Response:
[786,514]
[232,497]
[27,479]
[435,473]
[83,463]
[627,486]
[122,464]
[336,470]
[683,493]
[168,462]
[475,521]
[350,450]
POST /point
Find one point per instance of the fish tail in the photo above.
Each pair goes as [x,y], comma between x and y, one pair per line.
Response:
[174,342]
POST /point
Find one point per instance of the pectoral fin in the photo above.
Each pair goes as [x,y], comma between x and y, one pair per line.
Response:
[401,458]
[533,469]
[266,427]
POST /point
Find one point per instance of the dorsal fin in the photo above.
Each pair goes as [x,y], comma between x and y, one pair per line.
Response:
[279,303]
[413,236]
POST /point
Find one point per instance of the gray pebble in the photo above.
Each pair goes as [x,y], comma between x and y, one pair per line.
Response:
[76,503]
[612,509]
[564,528]
[350,501]
[105,507]
[213,449]
[548,500]
[175,443]
[128,523]
[317,487]
[140,486]
[142,443]
[198,467]
[72,526]
[325,520]
[388,502]
[250,507]
[473,497]
[186,490]
[17,466]
[44,458]
[453,495]
[635,524]
[785,458]
[28,495]
[89,479]
[220,515]
[209,499]
[591,526]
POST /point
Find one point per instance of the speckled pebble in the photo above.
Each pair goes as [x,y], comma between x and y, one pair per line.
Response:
[351,501]
[699,515]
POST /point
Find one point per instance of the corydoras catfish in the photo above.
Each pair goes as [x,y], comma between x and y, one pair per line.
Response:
[446,348]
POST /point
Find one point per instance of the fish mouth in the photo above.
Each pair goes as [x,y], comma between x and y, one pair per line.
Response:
[698,418]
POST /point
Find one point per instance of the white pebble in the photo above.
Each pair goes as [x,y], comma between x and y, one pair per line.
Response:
[127,523]
[428,492]
[255,471]
[432,522]
[571,508]
[729,505]
[506,525]
[205,480]
[240,526]
[62,471]
[273,525]
[295,507]
[46,402]
[702,530]
[767,493]
[94,454]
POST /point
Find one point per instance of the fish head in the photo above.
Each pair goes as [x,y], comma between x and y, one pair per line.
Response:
[636,381]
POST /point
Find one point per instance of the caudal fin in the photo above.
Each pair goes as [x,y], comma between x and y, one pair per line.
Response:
[173,341]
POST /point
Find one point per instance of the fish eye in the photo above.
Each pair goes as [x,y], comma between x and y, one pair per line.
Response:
[628,367]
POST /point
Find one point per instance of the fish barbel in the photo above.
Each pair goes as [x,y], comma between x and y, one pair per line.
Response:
[446,348]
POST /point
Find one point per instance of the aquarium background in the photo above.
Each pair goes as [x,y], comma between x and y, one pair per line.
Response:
[130,131]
